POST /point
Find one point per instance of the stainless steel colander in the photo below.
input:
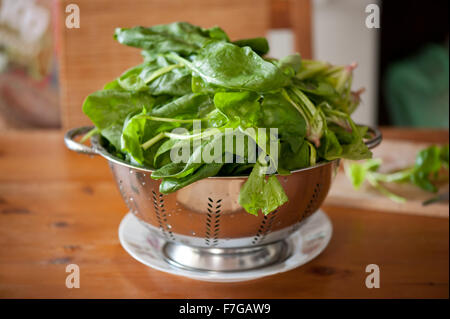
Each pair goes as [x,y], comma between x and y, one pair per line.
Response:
[203,224]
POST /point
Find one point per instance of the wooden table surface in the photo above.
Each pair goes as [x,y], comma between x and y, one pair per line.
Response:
[58,208]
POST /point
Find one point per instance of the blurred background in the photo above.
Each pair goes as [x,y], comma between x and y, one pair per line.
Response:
[48,64]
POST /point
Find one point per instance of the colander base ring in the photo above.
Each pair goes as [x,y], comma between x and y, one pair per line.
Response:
[304,244]
[225,259]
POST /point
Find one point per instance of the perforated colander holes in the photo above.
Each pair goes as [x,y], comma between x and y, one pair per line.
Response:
[213,222]
[121,190]
[313,201]
[129,200]
[141,178]
[161,215]
[264,227]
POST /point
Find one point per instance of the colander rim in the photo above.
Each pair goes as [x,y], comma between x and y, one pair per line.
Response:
[95,140]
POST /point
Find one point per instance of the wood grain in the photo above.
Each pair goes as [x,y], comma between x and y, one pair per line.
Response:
[58,207]
[421,135]
[300,16]
[279,14]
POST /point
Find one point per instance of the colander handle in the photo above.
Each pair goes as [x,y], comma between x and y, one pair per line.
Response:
[376,138]
[74,145]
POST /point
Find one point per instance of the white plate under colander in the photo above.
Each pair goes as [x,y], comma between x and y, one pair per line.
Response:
[305,244]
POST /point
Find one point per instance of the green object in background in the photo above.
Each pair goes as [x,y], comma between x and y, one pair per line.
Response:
[424,173]
[417,89]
